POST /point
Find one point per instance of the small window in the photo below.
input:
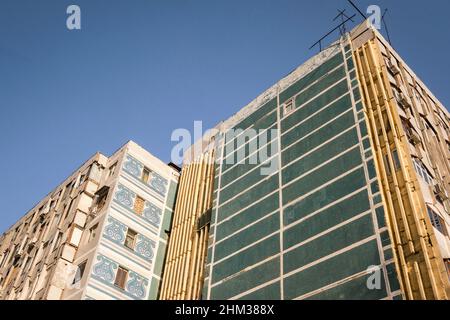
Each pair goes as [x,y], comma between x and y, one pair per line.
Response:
[52,204]
[93,232]
[112,170]
[139,205]
[288,107]
[67,190]
[100,199]
[437,221]
[58,241]
[121,277]
[422,172]
[130,239]
[80,272]
[447,266]
[386,164]
[145,175]
[82,179]
[396,160]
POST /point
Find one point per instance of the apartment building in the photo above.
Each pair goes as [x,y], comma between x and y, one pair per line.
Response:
[101,234]
[332,184]
[356,206]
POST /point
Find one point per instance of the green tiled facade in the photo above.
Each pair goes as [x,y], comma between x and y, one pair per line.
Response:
[312,228]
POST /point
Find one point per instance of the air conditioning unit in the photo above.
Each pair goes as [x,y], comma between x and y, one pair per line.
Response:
[393,68]
[440,192]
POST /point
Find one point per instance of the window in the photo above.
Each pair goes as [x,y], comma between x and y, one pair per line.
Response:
[93,233]
[145,174]
[288,107]
[121,277]
[52,204]
[396,160]
[80,272]
[67,190]
[386,165]
[82,179]
[447,266]
[100,199]
[437,221]
[421,171]
[112,170]
[130,239]
[58,241]
[139,205]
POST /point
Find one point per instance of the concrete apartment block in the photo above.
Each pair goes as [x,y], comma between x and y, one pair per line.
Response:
[101,234]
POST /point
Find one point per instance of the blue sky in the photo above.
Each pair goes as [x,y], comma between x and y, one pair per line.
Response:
[140,69]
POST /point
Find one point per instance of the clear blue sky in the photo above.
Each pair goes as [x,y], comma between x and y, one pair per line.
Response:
[139,69]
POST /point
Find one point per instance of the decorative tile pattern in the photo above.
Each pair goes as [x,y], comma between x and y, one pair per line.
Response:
[105,269]
[115,231]
[133,167]
[156,182]
[125,196]
[144,247]
[136,286]
[152,214]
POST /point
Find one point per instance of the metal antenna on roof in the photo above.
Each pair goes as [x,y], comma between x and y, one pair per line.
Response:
[357,9]
[342,15]
[319,42]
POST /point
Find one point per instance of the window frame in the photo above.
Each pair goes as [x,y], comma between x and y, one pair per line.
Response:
[133,236]
[118,284]
[143,205]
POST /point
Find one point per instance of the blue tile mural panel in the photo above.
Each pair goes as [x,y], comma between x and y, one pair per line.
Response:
[126,198]
[135,168]
[105,271]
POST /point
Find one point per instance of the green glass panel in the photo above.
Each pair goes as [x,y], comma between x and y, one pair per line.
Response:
[247,236]
[247,280]
[314,75]
[325,219]
[343,265]
[322,175]
[246,258]
[327,244]
[325,196]
[324,153]
[317,138]
[253,213]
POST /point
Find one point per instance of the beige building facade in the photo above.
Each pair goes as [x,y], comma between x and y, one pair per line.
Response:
[101,234]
